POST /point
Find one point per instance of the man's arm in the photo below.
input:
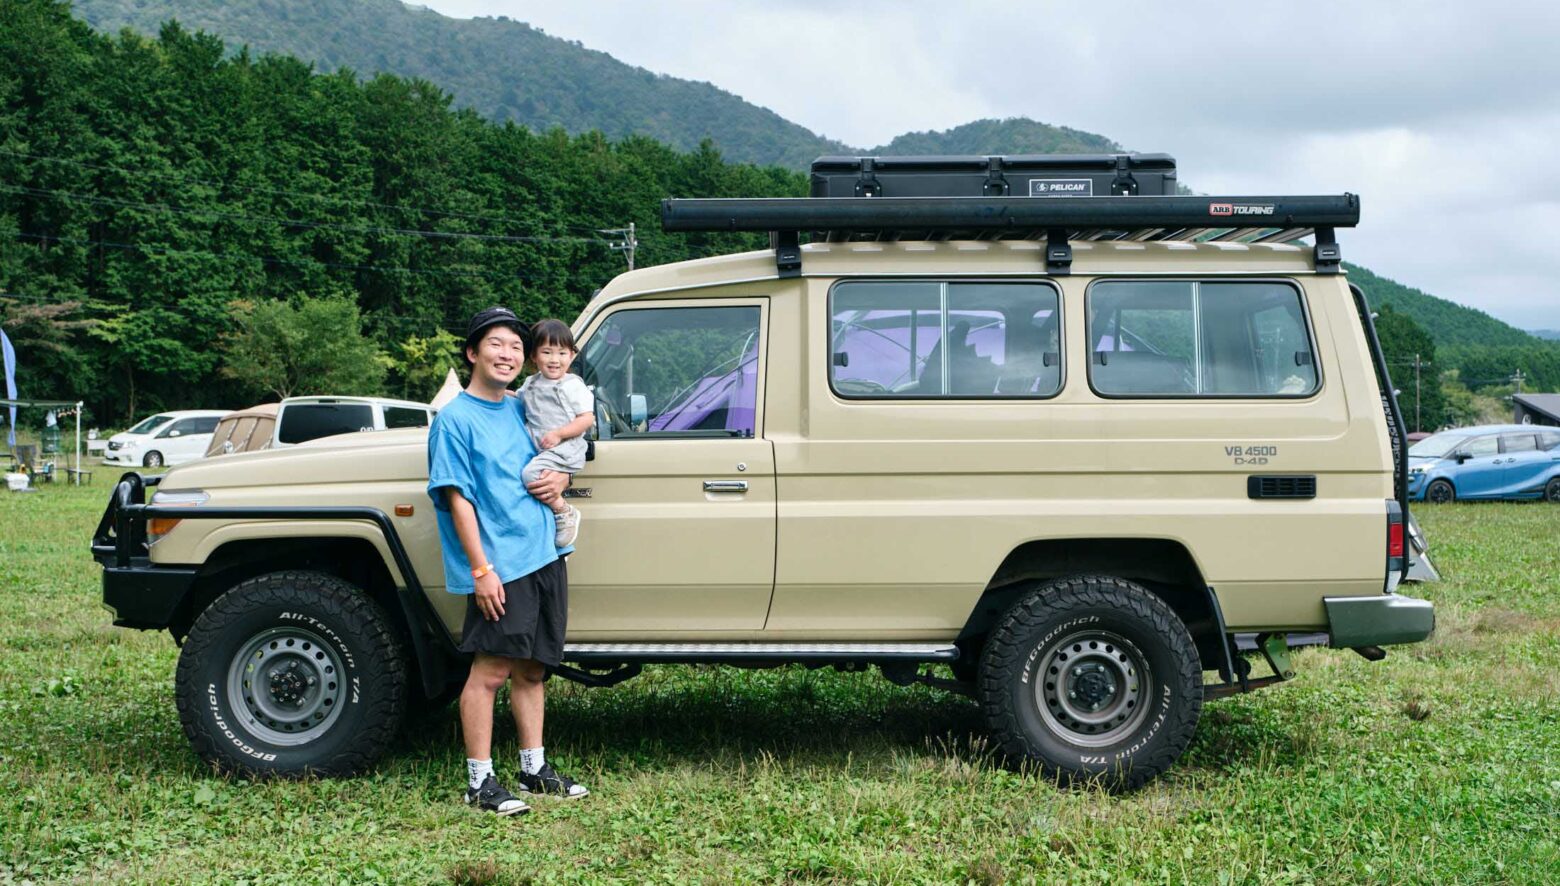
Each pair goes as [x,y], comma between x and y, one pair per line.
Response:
[489,590]
[556,436]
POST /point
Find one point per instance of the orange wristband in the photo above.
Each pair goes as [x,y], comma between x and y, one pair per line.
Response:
[478,573]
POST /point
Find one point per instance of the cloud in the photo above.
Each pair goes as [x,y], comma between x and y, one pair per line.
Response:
[1442,115]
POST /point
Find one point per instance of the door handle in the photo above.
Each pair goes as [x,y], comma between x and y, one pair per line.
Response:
[725,486]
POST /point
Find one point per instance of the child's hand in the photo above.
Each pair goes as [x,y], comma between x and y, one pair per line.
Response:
[550,440]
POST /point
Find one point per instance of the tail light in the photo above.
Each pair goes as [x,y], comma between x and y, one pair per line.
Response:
[1397,560]
[1395,539]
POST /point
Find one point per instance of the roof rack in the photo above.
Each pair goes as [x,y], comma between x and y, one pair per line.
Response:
[1057,220]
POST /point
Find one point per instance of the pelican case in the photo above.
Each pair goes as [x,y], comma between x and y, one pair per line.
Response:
[1018,175]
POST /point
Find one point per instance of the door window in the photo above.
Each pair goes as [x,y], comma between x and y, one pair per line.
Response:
[675,371]
[1480,447]
[405,417]
[1518,442]
[183,428]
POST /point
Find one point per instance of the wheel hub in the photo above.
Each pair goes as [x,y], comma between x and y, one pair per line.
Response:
[1091,685]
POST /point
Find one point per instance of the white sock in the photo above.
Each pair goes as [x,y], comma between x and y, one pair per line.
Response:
[477,771]
[531,760]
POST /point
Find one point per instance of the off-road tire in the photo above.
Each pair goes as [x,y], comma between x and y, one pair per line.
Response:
[153,459]
[1441,492]
[1114,633]
[1552,490]
[250,657]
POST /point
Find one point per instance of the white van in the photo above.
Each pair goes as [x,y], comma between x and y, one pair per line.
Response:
[301,419]
[167,438]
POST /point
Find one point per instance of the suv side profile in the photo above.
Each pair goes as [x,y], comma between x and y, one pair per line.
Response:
[168,438]
[1067,447]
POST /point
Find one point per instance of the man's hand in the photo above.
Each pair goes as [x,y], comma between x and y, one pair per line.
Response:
[548,486]
[550,440]
[490,596]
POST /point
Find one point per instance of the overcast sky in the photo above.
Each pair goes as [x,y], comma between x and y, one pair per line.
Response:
[1444,117]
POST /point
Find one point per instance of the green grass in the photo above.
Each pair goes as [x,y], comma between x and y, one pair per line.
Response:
[1438,765]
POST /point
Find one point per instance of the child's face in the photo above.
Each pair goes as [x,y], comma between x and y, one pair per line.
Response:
[552,360]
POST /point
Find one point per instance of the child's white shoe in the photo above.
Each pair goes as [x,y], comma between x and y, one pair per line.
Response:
[568,527]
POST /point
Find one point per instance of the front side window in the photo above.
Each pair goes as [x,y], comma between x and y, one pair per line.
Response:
[149,425]
[684,371]
[1481,447]
[919,339]
[1438,445]
[1548,440]
[1170,338]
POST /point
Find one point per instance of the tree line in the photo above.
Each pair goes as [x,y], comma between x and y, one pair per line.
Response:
[182,227]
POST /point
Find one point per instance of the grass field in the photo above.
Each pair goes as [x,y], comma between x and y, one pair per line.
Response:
[1439,765]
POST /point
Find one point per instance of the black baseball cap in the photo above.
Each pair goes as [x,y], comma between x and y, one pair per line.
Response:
[495,316]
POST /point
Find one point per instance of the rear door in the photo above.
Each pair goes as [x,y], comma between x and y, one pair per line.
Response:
[678,506]
[1527,466]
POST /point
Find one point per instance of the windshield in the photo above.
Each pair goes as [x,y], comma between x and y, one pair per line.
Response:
[1438,445]
[146,427]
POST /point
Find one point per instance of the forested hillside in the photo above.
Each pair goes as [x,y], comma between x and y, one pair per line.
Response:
[150,189]
[1447,322]
[507,70]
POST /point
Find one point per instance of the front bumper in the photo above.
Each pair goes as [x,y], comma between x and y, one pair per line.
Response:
[1385,620]
[146,596]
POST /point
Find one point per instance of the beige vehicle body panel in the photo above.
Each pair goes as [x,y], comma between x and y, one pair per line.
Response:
[887,520]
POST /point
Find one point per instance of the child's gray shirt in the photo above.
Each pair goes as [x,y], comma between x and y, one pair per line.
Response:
[552,404]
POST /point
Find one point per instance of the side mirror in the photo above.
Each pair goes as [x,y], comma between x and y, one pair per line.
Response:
[638,410]
[175,433]
[1462,455]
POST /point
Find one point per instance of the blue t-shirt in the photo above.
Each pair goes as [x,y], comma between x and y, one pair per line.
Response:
[479,448]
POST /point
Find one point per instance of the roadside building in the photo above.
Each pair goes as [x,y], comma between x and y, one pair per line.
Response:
[1536,409]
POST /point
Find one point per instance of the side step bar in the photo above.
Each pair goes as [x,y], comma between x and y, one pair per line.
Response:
[693,653]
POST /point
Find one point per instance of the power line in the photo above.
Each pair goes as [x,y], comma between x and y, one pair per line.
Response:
[310,263]
[260,189]
[71,196]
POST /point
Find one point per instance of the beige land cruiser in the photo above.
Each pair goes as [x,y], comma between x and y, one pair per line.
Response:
[1069,447]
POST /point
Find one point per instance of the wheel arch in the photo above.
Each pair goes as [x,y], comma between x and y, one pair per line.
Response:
[1164,566]
[352,558]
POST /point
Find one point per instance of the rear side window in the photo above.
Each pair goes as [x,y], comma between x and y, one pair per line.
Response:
[405,417]
[920,339]
[302,422]
[1190,338]
[204,425]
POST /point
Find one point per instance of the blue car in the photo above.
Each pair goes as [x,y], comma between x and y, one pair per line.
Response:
[1486,462]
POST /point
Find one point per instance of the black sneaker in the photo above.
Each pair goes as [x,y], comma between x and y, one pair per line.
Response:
[495,799]
[549,782]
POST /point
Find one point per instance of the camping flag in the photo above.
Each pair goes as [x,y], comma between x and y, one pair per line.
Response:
[10,384]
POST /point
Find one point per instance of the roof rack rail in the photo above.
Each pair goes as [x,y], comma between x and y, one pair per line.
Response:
[1057,220]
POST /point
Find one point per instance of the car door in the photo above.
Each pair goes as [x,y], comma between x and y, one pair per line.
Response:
[183,441]
[1480,474]
[1527,466]
[678,504]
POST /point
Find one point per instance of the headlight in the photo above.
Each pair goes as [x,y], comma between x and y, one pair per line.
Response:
[157,527]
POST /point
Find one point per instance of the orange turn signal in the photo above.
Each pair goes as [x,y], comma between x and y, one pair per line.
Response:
[403,510]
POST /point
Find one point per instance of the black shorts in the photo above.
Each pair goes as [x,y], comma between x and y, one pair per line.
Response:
[536,614]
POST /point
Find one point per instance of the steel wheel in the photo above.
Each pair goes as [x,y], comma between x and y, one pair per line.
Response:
[285,686]
[1092,688]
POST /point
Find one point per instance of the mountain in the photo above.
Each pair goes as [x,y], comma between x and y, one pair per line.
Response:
[508,70]
[1546,334]
[1447,322]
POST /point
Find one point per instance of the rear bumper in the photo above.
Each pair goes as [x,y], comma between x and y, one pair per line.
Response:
[1386,620]
[145,596]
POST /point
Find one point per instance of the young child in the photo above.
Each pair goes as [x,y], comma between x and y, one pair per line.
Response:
[559,409]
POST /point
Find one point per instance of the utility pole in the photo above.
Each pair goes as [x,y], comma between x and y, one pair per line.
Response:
[627,245]
[1516,379]
[1417,426]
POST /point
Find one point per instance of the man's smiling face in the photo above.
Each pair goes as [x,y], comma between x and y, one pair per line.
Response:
[498,356]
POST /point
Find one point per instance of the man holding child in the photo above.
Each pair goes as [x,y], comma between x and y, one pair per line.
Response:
[505,532]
